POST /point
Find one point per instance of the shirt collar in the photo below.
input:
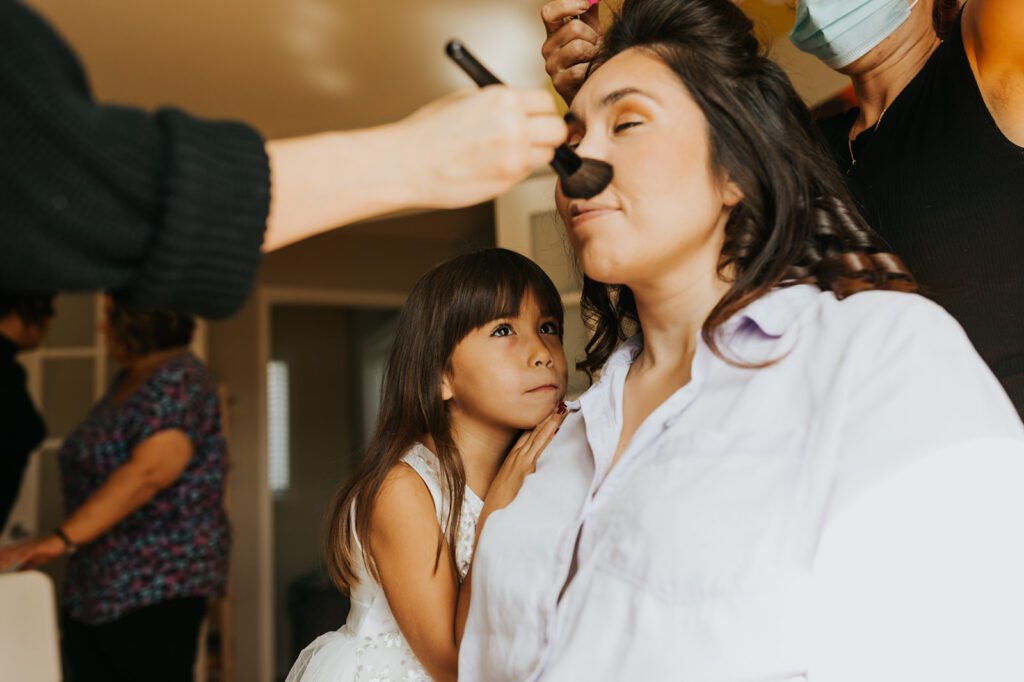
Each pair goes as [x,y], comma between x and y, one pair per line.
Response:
[774,313]
[771,316]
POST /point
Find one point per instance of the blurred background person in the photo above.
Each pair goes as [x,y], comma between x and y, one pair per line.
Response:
[143,482]
[24,321]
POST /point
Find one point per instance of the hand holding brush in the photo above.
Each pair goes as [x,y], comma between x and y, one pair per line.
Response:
[580,178]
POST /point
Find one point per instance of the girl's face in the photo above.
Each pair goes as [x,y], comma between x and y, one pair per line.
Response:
[509,373]
[665,209]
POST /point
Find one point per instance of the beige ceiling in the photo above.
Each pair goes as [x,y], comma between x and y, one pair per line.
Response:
[296,66]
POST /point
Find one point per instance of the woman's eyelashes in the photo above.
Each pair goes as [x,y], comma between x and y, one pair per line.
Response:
[625,125]
[619,128]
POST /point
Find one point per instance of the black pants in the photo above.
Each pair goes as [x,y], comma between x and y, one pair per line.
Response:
[154,644]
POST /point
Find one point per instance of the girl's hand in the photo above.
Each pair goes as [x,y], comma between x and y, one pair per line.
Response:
[571,44]
[521,461]
[30,554]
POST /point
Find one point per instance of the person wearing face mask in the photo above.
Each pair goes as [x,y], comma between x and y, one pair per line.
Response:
[934,153]
[172,211]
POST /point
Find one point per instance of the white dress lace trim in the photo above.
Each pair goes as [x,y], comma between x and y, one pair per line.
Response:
[370,647]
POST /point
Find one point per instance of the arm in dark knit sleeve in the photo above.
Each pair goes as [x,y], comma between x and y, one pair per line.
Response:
[163,208]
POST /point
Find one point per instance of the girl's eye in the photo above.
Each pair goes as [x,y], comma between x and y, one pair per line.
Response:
[549,328]
[502,330]
[621,127]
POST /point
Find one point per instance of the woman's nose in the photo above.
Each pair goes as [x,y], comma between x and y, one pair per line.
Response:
[590,147]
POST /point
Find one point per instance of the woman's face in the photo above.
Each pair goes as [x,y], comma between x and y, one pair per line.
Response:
[665,210]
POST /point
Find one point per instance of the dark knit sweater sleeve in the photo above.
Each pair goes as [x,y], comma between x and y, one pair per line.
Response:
[165,209]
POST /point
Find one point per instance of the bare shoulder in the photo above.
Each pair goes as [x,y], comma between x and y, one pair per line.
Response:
[993,36]
[403,505]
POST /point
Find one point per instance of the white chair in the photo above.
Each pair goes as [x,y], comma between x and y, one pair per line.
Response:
[29,640]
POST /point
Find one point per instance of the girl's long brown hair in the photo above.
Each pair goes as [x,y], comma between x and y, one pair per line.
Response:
[445,305]
[797,222]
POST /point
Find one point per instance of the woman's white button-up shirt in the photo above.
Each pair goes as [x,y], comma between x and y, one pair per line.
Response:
[695,554]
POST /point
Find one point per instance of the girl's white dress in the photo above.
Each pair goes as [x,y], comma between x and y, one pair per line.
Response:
[370,646]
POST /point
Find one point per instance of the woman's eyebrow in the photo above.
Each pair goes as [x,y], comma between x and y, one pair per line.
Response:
[614,96]
[611,98]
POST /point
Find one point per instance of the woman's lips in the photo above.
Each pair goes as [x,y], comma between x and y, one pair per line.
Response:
[580,212]
[590,215]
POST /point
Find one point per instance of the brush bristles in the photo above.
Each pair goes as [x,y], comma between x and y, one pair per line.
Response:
[589,180]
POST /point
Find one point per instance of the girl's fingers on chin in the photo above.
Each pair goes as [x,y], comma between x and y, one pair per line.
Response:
[546,431]
[541,446]
[521,442]
[534,435]
[550,421]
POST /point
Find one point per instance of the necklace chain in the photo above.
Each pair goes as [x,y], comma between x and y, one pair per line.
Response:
[849,138]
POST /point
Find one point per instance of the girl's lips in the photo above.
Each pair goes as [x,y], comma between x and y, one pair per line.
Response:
[545,387]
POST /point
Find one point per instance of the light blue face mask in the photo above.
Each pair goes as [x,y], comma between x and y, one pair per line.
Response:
[838,32]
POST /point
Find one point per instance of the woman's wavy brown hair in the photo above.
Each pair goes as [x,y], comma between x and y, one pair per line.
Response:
[797,222]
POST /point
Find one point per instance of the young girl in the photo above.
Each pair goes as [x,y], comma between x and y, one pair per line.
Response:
[477,362]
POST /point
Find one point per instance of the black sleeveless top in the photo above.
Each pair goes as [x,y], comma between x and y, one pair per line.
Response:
[945,188]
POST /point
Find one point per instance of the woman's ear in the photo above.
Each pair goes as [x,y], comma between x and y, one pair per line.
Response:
[446,389]
[731,193]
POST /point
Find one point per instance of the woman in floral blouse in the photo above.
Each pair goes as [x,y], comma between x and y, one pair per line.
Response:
[143,481]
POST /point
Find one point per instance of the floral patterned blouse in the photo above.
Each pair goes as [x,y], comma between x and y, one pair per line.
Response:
[174,546]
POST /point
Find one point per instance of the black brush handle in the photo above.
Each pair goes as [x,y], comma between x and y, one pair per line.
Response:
[473,68]
[566,161]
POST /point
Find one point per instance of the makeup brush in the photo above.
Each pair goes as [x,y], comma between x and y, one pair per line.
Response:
[581,178]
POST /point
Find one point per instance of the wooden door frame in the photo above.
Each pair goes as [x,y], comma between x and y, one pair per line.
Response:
[267,298]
